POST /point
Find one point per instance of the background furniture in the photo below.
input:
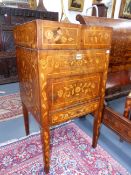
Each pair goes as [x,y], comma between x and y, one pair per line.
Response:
[9,17]
[102,9]
[127,111]
[119,72]
[62,69]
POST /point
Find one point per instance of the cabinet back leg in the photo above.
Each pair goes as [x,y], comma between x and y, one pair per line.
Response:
[26,118]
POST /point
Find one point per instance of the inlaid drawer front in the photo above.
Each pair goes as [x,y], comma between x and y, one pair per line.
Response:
[72,62]
[73,90]
[73,112]
[51,35]
[60,37]
[56,35]
[96,37]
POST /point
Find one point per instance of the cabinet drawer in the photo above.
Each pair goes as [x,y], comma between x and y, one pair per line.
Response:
[52,35]
[73,90]
[96,37]
[60,36]
[70,113]
[74,62]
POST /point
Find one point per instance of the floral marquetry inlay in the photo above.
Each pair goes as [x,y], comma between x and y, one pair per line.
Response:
[95,37]
[75,89]
[28,79]
[60,35]
[86,59]
[71,113]
[72,61]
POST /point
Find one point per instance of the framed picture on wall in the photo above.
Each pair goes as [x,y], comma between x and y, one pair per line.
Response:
[76,5]
[125,9]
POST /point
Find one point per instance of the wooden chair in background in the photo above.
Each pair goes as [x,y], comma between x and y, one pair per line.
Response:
[127,110]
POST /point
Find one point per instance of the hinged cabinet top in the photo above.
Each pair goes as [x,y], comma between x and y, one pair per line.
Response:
[43,34]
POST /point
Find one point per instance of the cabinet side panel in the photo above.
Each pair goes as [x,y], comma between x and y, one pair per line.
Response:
[25,35]
[28,76]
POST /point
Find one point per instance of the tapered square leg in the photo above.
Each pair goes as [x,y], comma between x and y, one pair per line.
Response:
[45,138]
[26,118]
[96,128]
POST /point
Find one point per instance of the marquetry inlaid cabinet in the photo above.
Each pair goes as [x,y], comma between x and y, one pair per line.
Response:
[62,71]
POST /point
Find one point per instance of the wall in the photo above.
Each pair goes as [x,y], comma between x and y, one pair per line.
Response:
[56,6]
[72,14]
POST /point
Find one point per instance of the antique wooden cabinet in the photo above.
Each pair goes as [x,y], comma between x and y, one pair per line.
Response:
[8,18]
[62,71]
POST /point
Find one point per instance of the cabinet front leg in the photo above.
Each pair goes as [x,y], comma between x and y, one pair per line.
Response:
[96,128]
[26,118]
[45,138]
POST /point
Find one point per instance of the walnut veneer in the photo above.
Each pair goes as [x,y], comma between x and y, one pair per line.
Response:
[62,71]
[119,72]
